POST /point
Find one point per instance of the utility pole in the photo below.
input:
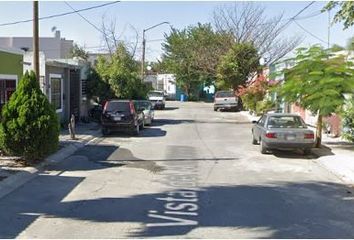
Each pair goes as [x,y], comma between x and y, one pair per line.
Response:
[329,28]
[143,57]
[35,40]
[144,43]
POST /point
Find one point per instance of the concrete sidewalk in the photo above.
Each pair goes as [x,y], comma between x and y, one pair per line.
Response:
[14,174]
[336,155]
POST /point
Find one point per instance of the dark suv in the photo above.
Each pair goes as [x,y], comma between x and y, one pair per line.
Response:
[121,115]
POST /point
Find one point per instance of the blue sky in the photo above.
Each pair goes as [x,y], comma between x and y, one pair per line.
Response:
[144,14]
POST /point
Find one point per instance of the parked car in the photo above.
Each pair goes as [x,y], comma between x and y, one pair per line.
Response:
[121,115]
[282,131]
[148,110]
[157,99]
[226,100]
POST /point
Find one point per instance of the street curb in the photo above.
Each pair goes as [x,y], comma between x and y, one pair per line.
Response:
[15,181]
[249,117]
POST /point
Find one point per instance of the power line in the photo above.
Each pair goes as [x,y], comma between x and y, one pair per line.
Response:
[304,29]
[86,20]
[59,14]
[314,14]
[297,14]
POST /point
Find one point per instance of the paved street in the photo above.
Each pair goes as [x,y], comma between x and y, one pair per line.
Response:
[193,174]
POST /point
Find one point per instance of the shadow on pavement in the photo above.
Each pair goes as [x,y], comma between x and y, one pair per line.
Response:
[170,108]
[292,154]
[88,158]
[146,132]
[281,209]
[285,210]
[162,122]
[299,154]
[340,145]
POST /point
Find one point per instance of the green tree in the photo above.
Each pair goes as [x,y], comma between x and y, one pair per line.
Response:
[29,124]
[337,48]
[97,89]
[193,54]
[237,65]
[318,82]
[345,13]
[350,44]
[117,77]
[77,51]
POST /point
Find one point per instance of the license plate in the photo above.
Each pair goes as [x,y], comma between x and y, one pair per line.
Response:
[117,118]
[290,137]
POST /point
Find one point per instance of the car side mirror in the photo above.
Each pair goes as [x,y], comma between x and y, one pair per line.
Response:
[254,122]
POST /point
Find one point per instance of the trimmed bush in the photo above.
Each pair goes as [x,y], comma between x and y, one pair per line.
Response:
[29,124]
[264,106]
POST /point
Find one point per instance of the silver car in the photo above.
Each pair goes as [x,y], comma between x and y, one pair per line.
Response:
[282,131]
[225,100]
[146,107]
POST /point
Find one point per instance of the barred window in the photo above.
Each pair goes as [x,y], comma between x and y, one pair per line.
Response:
[55,87]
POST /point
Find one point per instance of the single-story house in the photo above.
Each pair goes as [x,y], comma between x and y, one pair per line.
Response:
[61,81]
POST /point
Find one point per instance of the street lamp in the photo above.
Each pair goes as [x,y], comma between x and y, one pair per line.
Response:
[144,43]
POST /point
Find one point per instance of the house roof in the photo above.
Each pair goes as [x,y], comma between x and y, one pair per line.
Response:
[69,63]
[12,50]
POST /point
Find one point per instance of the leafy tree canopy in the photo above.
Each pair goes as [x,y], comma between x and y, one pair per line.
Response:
[350,44]
[77,51]
[117,77]
[345,13]
[237,65]
[193,53]
[337,48]
[318,82]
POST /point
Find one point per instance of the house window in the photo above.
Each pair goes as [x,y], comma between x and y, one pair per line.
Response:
[56,92]
[7,87]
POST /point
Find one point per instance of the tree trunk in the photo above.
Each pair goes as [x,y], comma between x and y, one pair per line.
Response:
[319,131]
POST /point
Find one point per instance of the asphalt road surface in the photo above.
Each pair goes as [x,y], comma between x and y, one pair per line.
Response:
[193,174]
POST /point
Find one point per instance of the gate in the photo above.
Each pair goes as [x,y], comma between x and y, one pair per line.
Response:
[75,93]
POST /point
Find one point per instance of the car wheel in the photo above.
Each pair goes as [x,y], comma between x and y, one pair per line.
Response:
[254,141]
[215,109]
[263,149]
[105,131]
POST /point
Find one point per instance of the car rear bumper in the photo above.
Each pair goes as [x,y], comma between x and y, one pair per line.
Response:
[115,125]
[288,145]
[225,105]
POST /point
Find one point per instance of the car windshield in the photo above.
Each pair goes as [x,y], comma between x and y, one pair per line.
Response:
[155,94]
[224,94]
[115,106]
[285,122]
